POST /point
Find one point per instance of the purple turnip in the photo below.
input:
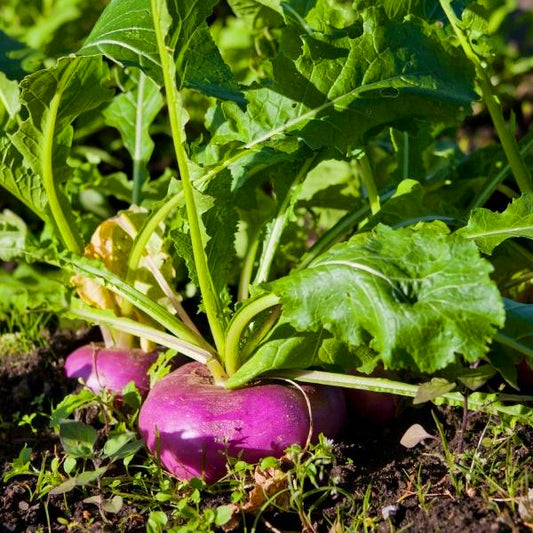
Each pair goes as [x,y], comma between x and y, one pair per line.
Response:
[192,425]
[110,369]
[376,408]
[524,375]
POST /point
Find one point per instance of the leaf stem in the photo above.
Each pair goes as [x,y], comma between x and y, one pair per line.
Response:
[485,193]
[507,139]
[490,403]
[157,312]
[137,163]
[247,269]
[367,176]
[239,323]
[515,344]
[132,327]
[212,303]
[274,235]
[59,212]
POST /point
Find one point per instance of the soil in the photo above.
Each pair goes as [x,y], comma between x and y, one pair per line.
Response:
[365,456]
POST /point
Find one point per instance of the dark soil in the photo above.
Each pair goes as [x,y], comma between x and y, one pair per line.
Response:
[411,489]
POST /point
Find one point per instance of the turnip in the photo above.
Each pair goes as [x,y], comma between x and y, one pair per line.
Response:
[375,408]
[193,425]
[525,375]
[110,369]
[362,290]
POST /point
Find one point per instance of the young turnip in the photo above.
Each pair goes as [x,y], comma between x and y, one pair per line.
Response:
[376,408]
[110,369]
[192,425]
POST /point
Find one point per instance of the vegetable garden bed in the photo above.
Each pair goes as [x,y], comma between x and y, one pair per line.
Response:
[300,235]
[372,482]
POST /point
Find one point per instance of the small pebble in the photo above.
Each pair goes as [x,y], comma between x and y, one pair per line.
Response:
[390,511]
[24,506]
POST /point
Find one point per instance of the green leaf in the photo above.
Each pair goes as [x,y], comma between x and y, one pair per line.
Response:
[121,444]
[15,238]
[69,404]
[432,389]
[27,289]
[223,514]
[488,229]
[219,226]
[78,84]
[132,113]
[18,178]
[78,439]
[399,9]
[335,89]
[85,478]
[515,341]
[286,348]
[125,34]
[417,296]
[9,98]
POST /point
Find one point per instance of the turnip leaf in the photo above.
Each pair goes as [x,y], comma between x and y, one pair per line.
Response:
[9,98]
[53,97]
[132,112]
[125,34]
[219,225]
[332,90]
[417,296]
[17,177]
[15,238]
[285,348]
[80,82]
[488,229]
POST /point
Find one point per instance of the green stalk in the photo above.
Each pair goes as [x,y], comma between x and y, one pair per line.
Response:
[367,177]
[161,214]
[132,327]
[137,175]
[489,403]
[212,304]
[501,338]
[143,236]
[71,240]
[507,139]
[238,325]
[272,241]
[154,310]
[247,269]
[485,193]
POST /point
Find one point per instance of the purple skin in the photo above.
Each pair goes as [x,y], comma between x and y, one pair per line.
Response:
[525,375]
[376,408]
[110,369]
[192,425]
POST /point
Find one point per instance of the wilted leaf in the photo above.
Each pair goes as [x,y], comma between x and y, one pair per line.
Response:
[433,389]
[415,435]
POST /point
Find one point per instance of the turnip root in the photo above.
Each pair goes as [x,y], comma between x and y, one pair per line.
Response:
[192,425]
[373,407]
[524,375]
[110,369]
